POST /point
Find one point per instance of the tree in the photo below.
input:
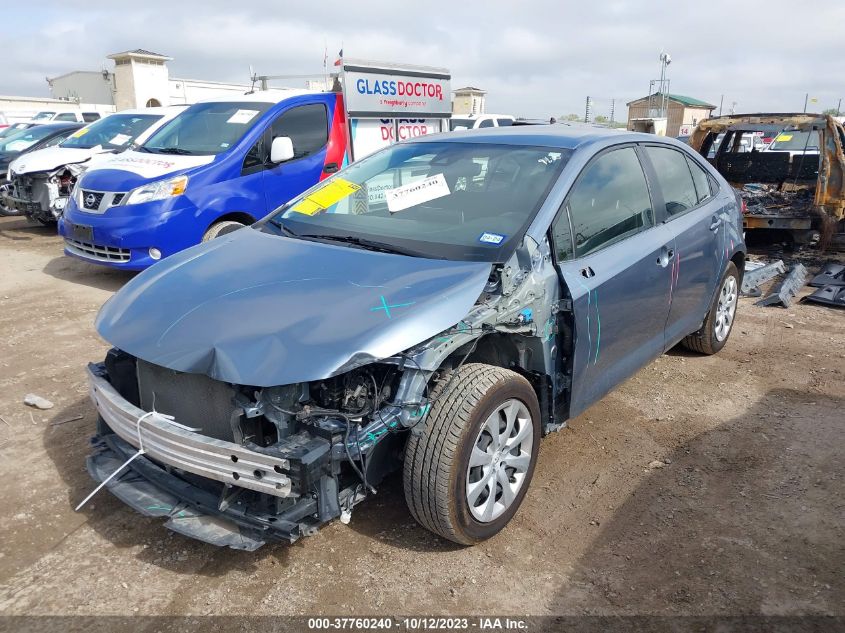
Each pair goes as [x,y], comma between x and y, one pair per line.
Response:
[600,118]
[831,112]
[569,117]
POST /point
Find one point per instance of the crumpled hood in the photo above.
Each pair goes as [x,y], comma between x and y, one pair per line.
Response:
[51,158]
[257,309]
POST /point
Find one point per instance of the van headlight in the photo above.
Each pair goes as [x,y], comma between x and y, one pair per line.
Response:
[159,190]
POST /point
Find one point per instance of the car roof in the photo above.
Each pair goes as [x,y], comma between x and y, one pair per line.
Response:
[59,125]
[274,95]
[557,136]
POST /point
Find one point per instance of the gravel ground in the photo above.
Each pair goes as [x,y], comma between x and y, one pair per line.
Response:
[744,516]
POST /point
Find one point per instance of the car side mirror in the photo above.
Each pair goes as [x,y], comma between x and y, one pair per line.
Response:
[281,150]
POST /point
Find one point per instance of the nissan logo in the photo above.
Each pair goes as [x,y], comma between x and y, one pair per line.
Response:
[90,200]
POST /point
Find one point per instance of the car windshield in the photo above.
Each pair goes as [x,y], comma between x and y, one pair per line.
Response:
[456,123]
[459,201]
[43,116]
[13,129]
[116,131]
[26,138]
[206,128]
[796,141]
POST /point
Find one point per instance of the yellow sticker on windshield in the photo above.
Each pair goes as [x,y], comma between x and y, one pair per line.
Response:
[333,192]
[81,132]
[783,138]
[307,207]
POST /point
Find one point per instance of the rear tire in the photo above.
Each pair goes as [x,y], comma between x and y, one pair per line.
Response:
[221,228]
[720,319]
[462,480]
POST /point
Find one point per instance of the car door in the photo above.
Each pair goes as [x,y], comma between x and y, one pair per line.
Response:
[689,209]
[307,125]
[614,261]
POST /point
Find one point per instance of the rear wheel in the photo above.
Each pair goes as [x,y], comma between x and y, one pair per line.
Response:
[720,319]
[221,228]
[467,470]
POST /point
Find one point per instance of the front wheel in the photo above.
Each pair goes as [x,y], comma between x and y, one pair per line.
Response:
[221,228]
[720,319]
[467,470]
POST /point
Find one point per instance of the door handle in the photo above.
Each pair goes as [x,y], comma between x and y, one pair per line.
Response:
[587,272]
[666,255]
[330,168]
[715,222]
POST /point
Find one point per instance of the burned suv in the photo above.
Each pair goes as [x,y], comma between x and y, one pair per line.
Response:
[435,308]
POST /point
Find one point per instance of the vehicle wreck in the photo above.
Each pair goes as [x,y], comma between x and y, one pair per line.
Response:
[795,186]
[40,183]
[311,437]
[434,308]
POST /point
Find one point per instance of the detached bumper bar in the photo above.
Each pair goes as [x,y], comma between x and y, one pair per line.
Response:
[172,444]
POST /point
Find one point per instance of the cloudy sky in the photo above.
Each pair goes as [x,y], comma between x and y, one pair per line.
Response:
[536,58]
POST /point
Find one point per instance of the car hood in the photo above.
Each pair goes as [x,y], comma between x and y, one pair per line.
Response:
[130,169]
[257,309]
[51,158]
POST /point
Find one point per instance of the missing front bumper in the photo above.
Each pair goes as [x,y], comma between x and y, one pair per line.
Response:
[174,445]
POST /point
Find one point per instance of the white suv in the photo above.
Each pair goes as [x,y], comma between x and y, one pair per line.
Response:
[473,121]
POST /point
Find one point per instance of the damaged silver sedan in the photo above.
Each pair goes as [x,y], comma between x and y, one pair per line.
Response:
[433,309]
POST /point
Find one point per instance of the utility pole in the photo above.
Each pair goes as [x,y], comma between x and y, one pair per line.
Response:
[588,110]
[721,102]
[613,110]
[839,107]
[806,97]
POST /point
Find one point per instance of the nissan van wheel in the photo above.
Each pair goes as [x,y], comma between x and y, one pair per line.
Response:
[720,319]
[221,228]
[467,470]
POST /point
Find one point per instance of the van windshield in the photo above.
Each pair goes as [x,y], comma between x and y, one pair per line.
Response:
[458,201]
[116,131]
[43,116]
[206,128]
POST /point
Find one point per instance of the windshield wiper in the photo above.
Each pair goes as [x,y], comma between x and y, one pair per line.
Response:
[381,247]
[284,228]
[174,150]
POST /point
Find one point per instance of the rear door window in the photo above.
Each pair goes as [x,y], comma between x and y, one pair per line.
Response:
[504,122]
[306,125]
[674,178]
[609,202]
[486,123]
[65,116]
[701,180]
[90,117]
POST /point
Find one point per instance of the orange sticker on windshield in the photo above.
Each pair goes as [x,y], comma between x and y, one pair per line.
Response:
[335,191]
[81,132]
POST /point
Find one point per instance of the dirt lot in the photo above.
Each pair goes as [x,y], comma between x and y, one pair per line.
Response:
[745,517]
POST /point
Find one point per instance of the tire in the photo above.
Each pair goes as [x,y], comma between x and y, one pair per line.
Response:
[708,340]
[437,473]
[221,228]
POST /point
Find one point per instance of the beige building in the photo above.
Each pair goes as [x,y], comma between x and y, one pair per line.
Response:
[469,100]
[683,113]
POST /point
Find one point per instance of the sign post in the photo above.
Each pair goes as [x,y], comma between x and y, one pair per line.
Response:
[388,102]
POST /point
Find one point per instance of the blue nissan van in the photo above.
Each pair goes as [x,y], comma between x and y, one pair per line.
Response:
[221,164]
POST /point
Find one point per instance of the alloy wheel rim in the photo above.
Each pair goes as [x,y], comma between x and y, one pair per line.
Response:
[726,308]
[499,461]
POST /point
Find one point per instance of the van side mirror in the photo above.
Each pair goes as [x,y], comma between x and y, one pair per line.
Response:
[281,150]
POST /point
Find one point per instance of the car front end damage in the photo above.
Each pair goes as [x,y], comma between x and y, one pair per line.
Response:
[40,195]
[240,465]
